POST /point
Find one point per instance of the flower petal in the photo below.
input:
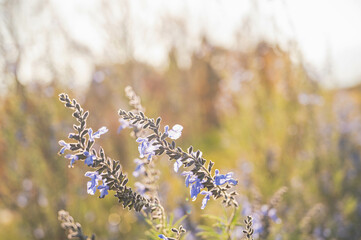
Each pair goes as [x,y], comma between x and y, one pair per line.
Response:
[161,236]
[175,132]
[177,165]
[206,198]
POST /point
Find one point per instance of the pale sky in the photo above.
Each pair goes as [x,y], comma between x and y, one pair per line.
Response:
[328,32]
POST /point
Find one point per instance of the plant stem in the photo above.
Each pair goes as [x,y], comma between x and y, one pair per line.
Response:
[228,226]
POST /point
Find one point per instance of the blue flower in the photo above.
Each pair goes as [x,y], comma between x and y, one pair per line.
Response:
[161,236]
[259,215]
[146,148]
[92,184]
[189,178]
[196,189]
[65,145]
[264,209]
[103,189]
[220,179]
[72,157]
[177,165]
[257,226]
[89,158]
[139,169]
[123,124]
[194,182]
[273,215]
[140,188]
[246,209]
[206,198]
[175,132]
[97,134]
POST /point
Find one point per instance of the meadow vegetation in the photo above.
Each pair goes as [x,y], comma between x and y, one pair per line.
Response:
[293,146]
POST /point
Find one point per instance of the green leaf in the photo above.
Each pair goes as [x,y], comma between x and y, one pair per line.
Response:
[213,217]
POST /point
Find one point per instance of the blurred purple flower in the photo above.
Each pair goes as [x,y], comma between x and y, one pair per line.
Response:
[139,169]
[140,188]
[273,215]
[123,124]
[246,209]
[264,209]
[98,76]
[258,216]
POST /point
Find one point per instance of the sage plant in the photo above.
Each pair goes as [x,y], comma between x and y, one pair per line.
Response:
[107,174]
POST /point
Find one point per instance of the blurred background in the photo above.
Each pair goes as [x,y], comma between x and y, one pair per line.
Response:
[267,89]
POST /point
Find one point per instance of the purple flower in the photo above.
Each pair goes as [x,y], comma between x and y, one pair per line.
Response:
[196,189]
[194,182]
[189,178]
[72,157]
[65,145]
[89,158]
[123,124]
[273,215]
[139,169]
[177,165]
[258,216]
[175,132]
[92,184]
[264,209]
[161,236]
[246,209]
[97,134]
[220,179]
[257,226]
[206,198]
[140,188]
[103,189]
[146,148]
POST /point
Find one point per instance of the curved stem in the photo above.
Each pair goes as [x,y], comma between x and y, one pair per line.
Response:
[228,226]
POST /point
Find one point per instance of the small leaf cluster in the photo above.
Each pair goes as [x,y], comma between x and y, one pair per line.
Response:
[72,228]
[249,230]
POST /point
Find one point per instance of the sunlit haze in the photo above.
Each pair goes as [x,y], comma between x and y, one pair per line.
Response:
[325,32]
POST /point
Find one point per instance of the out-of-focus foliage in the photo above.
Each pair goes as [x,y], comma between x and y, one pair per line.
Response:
[255,113]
